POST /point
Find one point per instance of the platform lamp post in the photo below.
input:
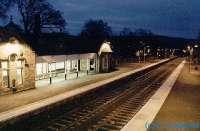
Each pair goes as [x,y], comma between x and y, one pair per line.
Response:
[196,55]
[65,63]
[190,53]
[88,60]
[50,74]
[138,55]
[144,49]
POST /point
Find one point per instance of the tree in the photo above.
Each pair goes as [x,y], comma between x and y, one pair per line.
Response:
[198,36]
[49,16]
[4,6]
[28,9]
[96,29]
[143,32]
[126,32]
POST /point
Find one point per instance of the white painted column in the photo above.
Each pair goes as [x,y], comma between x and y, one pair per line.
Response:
[43,71]
[55,69]
[77,67]
[97,63]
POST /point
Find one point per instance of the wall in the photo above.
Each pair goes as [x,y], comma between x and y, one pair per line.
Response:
[21,52]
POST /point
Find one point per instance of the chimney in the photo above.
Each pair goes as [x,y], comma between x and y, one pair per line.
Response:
[37,24]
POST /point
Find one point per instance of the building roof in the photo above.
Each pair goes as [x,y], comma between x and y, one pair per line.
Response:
[12,27]
[57,43]
[60,44]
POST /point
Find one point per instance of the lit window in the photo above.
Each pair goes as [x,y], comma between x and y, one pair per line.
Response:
[5,74]
[19,72]
[39,69]
[44,68]
[74,65]
[60,65]
[4,65]
[52,67]
[92,64]
[68,65]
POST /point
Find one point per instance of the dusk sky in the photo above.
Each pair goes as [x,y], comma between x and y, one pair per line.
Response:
[166,17]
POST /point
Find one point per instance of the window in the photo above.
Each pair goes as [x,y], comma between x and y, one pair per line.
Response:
[45,68]
[52,67]
[60,67]
[5,74]
[68,66]
[19,72]
[74,65]
[39,69]
[92,65]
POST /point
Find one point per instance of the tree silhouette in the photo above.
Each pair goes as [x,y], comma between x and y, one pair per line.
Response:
[4,6]
[198,35]
[28,9]
[143,32]
[49,16]
[126,32]
[96,29]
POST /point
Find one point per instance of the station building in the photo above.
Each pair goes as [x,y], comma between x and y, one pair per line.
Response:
[17,65]
[75,61]
[22,62]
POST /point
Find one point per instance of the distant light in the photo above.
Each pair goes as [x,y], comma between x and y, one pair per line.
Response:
[196,46]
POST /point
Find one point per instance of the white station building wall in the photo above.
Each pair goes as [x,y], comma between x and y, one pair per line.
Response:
[64,64]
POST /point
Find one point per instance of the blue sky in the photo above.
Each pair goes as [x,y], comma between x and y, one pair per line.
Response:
[167,17]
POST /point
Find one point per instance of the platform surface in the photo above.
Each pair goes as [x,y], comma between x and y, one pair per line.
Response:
[181,110]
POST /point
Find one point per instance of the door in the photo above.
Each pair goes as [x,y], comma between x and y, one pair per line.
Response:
[15,73]
[19,72]
[103,63]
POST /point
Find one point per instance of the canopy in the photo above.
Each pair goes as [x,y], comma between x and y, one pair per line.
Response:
[60,58]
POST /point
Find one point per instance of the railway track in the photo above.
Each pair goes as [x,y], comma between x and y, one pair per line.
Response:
[112,109]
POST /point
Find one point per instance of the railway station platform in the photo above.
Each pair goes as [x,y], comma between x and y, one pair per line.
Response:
[181,110]
[17,104]
[174,107]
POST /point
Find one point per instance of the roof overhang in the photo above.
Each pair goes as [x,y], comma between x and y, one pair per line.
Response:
[61,58]
[105,48]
